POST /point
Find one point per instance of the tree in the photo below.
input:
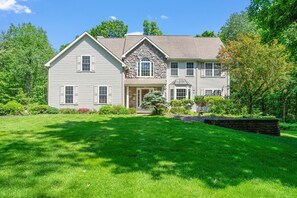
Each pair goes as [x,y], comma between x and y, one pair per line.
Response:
[255,68]
[24,51]
[206,33]
[154,100]
[237,24]
[151,28]
[110,29]
[63,46]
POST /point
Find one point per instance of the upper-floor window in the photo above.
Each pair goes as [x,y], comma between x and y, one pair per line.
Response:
[213,69]
[174,69]
[213,92]
[69,94]
[190,69]
[86,63]
[145,68]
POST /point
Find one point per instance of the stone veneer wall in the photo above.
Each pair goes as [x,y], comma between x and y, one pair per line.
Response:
[132,97]
[145,50]
[262,126]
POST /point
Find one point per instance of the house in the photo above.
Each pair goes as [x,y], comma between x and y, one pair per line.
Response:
[93,72]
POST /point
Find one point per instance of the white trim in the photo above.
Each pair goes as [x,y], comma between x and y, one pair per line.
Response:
[151,65]
[65,95]
[127,97]
[212,70]
[137,89]
[145,38]
[187,88]
[81,63]
[107,91]
[75,41]
[213,89]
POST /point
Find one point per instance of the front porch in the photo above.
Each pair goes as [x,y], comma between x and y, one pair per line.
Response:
[135,90]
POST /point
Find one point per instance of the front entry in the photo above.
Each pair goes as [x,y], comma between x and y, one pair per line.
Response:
[140,93]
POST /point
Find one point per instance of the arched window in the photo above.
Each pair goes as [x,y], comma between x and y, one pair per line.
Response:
[145,68]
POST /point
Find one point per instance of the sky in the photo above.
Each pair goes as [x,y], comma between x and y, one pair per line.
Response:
[64,19]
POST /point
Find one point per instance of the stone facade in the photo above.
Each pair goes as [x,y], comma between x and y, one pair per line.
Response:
[132,97]
[145,50]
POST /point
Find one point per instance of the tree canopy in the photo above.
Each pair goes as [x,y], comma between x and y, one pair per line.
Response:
[151,28]
[24,51]
[238,23]
[206,33]
[110,29]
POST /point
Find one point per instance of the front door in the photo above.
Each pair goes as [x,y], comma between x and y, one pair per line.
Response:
[140,95]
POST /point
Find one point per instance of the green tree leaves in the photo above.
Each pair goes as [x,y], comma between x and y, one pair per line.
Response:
[151,28]
[110,29]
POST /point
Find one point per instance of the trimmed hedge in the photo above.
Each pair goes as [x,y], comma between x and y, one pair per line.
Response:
[13,108]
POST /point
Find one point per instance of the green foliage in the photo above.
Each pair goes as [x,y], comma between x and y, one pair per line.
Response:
[154,100]
[52,110]
[180,111]
[187,103]
[13,108]
[132,110]
[24,51]
[200,101]
[151,28]
[68,111]
[256,68]
[120,110]
[2,110]
[110,29]
[238,23]
[38,109]
[175,103]
[106,110]
[63,46]
[206,33]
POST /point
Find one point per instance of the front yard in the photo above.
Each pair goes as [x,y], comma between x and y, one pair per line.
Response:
[141,156]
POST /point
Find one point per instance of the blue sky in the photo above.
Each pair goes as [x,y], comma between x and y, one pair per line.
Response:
[63,20]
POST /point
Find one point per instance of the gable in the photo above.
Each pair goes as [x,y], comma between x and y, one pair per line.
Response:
[76,41]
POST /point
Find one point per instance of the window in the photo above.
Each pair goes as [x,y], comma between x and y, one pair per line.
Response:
[181,94]
[86,63]
[145,68]
[190,69]
[213,92]
[213,69]
[69,94]
[102,94]
[174,69]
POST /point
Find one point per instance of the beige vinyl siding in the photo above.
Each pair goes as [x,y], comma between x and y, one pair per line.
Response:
[107,71]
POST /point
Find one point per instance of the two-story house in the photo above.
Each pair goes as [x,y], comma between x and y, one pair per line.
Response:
[94,72]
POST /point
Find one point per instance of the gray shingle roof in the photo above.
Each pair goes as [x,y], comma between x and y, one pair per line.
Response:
[177,47]
[180,81]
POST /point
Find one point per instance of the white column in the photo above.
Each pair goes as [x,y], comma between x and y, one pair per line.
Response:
[127,97]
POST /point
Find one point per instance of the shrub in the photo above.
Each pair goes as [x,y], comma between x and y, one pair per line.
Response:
[52,110]
[132,110]
[13,108]
[38,109]
[105,110]
[93,111]
[175,103]
[187,103]
[162,111]
[154,100]
[83,110]
[200,101]
[2,110]
[120,110]
[180,111]
[68,111]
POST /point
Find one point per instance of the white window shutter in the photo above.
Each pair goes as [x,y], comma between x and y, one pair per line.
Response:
[62,95]
[202,70]
[92,64]
[152,69]
[138,69]
[109,96]
[75,101]
[78,63]
[96,95]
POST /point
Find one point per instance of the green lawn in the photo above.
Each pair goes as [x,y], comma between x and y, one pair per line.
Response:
[141,156]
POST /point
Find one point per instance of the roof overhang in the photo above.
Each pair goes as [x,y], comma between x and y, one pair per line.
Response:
[135,81]
[151,42]
[48,64]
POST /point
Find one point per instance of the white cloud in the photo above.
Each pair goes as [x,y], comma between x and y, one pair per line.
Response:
[164,17]
[135,33]
[113,18]
[12,5]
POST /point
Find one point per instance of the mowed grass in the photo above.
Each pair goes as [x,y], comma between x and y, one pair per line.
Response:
[141,156]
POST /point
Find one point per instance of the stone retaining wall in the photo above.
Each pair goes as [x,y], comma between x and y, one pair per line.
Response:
[262,126]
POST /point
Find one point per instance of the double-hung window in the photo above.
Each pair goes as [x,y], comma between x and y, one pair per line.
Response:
[86,63]
[181,94]
[174,69]
[145,68]
[190,69]
[213,92]
[103,94]
[69,92]
[213,69]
